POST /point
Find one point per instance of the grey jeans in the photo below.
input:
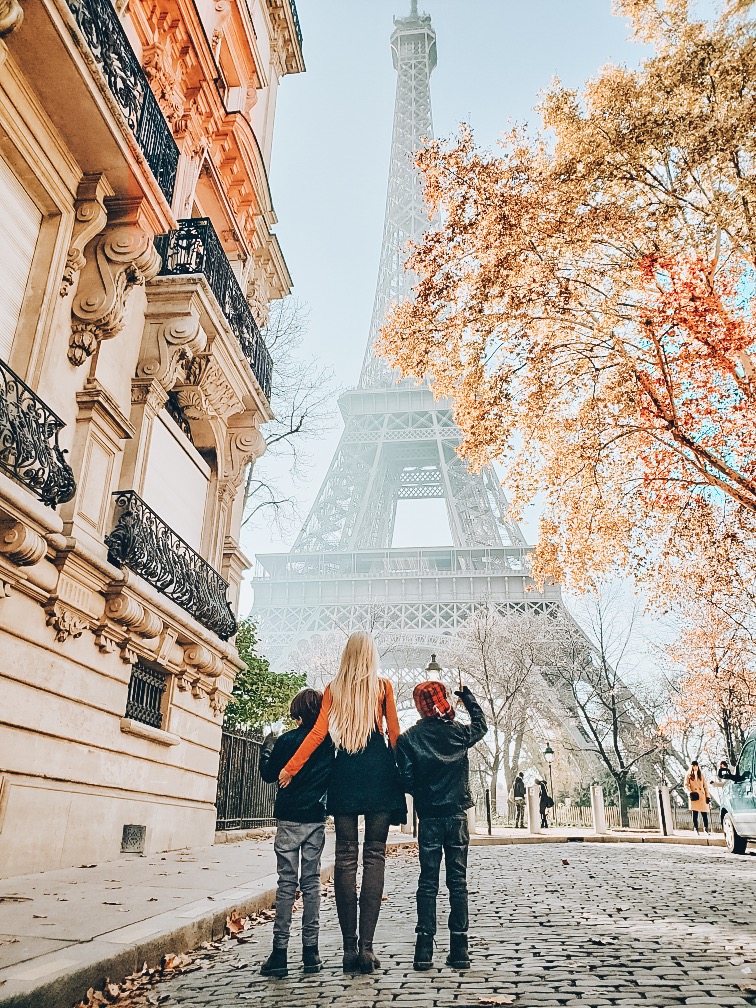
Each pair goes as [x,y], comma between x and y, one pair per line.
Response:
[298,847]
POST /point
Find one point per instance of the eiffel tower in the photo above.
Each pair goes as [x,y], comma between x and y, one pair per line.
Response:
[398,443]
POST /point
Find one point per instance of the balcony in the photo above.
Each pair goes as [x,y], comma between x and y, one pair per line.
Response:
[111,49]
[29,450]
[143,542]
[195,248]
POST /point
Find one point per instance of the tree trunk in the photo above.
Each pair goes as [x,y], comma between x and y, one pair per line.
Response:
[622,799]
[494,781]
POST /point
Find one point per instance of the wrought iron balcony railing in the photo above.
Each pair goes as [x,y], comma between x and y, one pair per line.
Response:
[194,247]
[29,449]
[111,49]
[143,542]
[297,25]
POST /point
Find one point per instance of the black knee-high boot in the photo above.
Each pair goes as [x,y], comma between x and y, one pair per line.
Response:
[371,895]
[345,891]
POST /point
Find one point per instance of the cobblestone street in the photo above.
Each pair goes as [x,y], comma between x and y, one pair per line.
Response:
[561,924]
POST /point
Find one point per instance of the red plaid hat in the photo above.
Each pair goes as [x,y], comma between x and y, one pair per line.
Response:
[431,700]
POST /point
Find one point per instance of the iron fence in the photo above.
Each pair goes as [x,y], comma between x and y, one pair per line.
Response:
[244,799]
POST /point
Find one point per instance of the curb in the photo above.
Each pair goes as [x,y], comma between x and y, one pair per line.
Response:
[112,955]
[481,840]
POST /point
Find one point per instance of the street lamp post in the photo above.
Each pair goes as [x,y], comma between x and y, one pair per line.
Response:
[549,754]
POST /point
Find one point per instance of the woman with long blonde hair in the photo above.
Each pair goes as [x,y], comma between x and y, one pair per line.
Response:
[358,709]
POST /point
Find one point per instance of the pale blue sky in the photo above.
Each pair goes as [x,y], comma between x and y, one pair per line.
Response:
[331,148]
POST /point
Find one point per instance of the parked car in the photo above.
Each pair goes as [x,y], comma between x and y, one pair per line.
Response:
[738,800]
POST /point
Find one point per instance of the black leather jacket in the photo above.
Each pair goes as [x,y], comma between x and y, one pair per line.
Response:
[304,800]
[432,759]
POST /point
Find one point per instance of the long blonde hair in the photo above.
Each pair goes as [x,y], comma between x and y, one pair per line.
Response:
[355,693]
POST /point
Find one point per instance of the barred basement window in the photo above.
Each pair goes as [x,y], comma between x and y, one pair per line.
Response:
[145,700]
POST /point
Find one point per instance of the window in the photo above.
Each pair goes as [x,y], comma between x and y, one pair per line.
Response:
[145,700]
[746,760]
[20,222]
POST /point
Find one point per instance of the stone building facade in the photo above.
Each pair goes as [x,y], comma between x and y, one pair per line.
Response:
[139,260]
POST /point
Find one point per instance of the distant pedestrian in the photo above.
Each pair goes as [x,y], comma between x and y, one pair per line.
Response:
[545,802]
[432,757]
[518,797]
[699,797]
[358,707]
[301,813]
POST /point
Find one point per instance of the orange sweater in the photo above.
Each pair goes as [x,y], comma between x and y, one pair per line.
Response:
[386,710]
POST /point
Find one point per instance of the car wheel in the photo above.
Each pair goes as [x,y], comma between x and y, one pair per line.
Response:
[736,844]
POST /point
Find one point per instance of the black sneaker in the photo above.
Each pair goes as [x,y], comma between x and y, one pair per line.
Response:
[423,951]
[311,959]
[458,957]
[275,965]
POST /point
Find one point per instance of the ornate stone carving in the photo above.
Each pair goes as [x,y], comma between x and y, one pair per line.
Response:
[223,12]
[171,345]
[244,444]
[218,702]
[21,544]
[201,659]
[11,16]
[123,257]
[206,391]
[66,622]
[91,217]
[165,81]
[128,612]
[105,642]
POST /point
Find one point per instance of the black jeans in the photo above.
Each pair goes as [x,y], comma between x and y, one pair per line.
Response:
[448,837]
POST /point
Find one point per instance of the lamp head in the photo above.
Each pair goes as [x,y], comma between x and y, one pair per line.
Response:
[548,753]
[433,665]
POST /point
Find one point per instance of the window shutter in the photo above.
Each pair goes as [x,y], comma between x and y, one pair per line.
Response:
[20,222]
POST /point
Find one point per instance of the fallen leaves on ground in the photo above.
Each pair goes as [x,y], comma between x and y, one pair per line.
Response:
[134,991]
[236,924]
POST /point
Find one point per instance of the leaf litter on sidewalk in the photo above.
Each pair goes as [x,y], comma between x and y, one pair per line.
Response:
[138,989]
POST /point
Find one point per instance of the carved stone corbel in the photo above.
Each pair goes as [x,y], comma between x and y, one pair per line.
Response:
[205,392]
[11,16]
[171,345]
[91,217]
[122,257]
[244,444]
[66,622]
[21,544]
[137,618]
[201,659]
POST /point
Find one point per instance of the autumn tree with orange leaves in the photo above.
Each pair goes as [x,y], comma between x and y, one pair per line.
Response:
[715,691]
[587,302]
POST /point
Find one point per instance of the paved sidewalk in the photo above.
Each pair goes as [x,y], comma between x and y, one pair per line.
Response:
[63,931]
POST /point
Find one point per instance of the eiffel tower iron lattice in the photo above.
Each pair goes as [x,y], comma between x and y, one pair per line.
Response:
[398,443]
